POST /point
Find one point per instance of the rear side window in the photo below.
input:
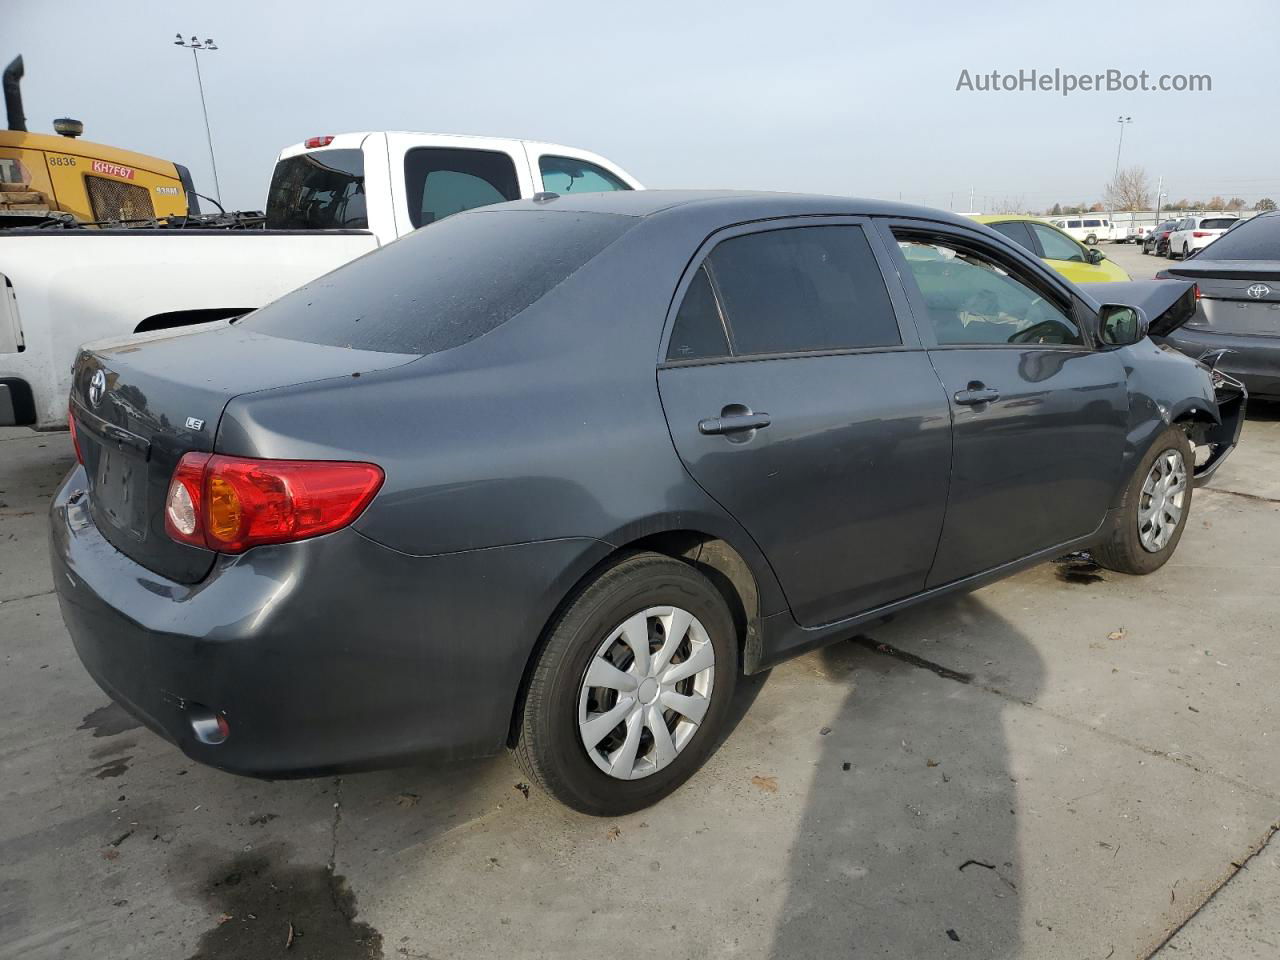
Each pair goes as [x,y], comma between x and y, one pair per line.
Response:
[441,181]
[1015,231]
[1218,223]
[699,332]
[567,175]
[440,288]
[323,190]
[802,289]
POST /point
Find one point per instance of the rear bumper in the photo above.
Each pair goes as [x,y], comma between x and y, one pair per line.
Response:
[328,655]
[1255,361]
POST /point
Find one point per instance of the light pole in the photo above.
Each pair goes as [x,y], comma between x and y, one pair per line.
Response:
[1123,121]
[196,46]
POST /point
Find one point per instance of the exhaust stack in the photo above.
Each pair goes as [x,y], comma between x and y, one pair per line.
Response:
[13,95]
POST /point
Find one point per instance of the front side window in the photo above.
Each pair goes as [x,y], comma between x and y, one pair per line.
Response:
[973,300]
[442,181]
[1073,223]
[323,190]
[1057,246]
[802,289]
[568,175]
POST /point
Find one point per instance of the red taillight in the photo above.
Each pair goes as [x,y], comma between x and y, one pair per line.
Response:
[75,439]
[1196,288]
[230,504]
[312,142]
[1201,233]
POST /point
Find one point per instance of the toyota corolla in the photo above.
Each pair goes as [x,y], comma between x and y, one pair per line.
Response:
[551,475]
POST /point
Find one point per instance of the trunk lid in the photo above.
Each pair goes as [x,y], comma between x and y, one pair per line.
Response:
[1237,297]
[139,404]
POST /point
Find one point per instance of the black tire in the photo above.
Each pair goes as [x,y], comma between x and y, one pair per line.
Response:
[548,745]
[1091,240]
[1121,549]
[1185,251]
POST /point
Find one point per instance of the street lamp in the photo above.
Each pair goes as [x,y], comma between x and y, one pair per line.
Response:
[196,45]
[1122,121]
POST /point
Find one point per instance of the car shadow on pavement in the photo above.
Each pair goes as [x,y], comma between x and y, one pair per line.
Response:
[908,845]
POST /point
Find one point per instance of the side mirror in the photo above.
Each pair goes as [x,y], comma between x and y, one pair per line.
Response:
[1095,256]
[1120,325]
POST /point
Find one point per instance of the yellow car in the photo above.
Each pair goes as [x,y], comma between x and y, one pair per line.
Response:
[1072,259]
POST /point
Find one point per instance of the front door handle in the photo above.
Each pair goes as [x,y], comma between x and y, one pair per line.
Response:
[975,394]
[733,423]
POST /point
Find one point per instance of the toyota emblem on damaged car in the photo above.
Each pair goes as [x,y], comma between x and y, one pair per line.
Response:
[97,387]
[1258,291]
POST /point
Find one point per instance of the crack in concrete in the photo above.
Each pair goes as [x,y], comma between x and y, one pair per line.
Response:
[947,673]
[1236,867]
[1248,496]
[26,596]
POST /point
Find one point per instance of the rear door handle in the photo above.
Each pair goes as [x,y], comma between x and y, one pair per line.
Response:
[733,423]
[975,394]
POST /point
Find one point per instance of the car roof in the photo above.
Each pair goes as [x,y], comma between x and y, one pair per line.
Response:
[1008,218]
[729,205]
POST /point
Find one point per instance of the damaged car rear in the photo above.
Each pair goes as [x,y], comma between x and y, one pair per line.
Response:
[551,475]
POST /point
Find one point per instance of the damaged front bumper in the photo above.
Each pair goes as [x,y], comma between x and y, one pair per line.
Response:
[1219,439]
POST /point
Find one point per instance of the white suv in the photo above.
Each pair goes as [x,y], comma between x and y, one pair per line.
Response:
[1086,229]
[1195,233]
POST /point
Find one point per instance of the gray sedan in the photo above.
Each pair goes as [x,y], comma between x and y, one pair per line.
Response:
[551,475]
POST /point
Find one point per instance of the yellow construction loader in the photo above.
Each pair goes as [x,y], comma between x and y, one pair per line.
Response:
[46,178]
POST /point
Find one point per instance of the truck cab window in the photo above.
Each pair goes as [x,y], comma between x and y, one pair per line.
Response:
[441,181]
[321,190]
[567,175]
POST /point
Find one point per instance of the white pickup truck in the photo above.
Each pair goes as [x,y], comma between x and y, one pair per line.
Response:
[331,199]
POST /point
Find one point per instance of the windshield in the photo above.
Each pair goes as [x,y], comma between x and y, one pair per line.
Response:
[323,190]
[444,284]
[1256,239]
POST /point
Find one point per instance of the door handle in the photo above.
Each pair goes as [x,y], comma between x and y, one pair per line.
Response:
[733,423]
[975,394]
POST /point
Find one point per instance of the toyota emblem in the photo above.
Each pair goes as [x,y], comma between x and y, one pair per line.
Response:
[97,387]
[1258,291]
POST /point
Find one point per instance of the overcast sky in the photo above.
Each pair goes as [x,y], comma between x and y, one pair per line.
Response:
[840,97]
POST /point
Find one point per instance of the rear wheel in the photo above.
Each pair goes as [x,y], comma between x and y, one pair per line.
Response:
[1185,251]
[628,695]
[1146,529]
[1091,240]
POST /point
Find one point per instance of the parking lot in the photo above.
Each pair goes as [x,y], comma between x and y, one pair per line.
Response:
[1069,763]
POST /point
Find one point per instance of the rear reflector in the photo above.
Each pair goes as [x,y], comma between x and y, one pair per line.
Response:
[230,504]
[75,440]
[312,142]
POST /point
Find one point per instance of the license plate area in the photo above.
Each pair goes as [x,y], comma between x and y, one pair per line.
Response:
[116,462]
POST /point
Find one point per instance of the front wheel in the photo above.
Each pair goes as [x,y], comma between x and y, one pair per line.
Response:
[1146,529]
[629,694]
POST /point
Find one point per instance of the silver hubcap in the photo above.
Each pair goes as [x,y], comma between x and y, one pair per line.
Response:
[1160,506]
[645,692]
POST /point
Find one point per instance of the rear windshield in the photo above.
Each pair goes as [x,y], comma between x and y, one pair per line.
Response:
[1256,239]
[1218,223]
[443,285]
[318,191]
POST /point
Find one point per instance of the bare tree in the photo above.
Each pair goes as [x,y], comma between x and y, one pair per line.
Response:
[1130,189]
[1010,205]
[1266,203]
[1216,203]
[1235,203]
